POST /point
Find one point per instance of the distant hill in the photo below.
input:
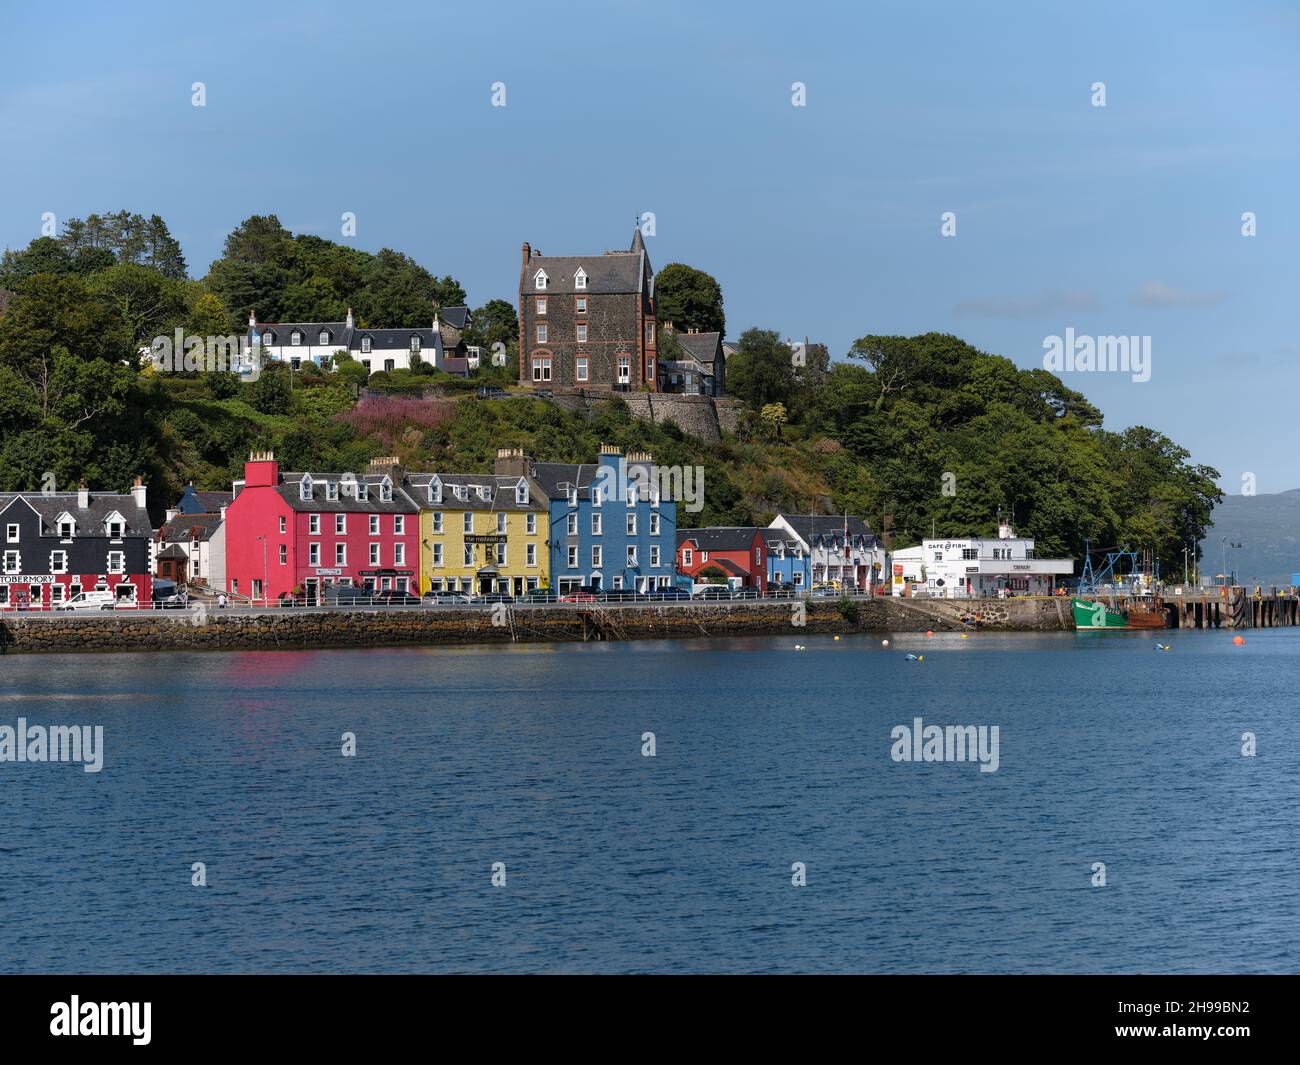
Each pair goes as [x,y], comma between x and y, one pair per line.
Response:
[1268,529]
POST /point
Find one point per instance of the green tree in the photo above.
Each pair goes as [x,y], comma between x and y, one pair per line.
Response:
[761,371]
[690,299]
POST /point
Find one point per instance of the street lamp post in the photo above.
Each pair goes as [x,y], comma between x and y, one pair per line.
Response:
[1224,544]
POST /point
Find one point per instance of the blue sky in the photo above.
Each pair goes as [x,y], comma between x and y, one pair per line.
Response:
[821,220]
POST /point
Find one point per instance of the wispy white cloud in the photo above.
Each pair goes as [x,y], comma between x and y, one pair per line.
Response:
[1046,303]
[1158,294]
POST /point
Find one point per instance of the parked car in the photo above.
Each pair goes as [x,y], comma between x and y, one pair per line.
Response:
[96,600]
[781,590]
[669,594]
[620,595]
[449,598]
[544,393]
[495,597]
[579,595]
[395,597]
[486,392]
[713,591]
[826,589]
[536,596]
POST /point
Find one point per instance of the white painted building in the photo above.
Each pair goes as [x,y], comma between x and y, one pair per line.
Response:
[975,567]
[441,345]
[842,551]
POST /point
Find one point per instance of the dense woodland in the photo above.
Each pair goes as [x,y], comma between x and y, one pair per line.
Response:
[910,433]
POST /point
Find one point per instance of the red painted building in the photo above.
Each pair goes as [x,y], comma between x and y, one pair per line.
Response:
[298,534]
[736,550]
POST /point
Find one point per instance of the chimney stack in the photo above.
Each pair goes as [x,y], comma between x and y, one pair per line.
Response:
[261,470]
[528,252]
[350,323]
[138,491]
[252,321]
[511,462]
[83,496]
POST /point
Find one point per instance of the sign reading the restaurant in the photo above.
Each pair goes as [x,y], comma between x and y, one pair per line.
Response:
[481,538]
[329,573]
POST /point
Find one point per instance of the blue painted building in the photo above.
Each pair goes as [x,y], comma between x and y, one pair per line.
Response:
[787,561]
[192,502]
[610,528]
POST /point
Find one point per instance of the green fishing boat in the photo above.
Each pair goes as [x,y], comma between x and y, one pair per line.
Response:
[1089,615]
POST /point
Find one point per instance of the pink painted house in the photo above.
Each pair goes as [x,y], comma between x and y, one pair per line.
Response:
[303,533]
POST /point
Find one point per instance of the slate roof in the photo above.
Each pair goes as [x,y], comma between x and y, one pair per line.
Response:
[720,537]
[502,494]
[774,542]
[90,520]
[453,320]
[456,317]
[206,502]
[310,330]
[703,347]
[827,526]
[614,272]
[186,527]
[388,339]
[555,477]
[401,503]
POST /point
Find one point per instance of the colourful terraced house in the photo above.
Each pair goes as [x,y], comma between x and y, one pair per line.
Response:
[482,533]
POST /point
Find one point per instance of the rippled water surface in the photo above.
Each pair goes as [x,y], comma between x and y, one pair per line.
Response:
[767,755]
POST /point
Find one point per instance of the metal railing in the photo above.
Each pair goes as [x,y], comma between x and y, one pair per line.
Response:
[454,601]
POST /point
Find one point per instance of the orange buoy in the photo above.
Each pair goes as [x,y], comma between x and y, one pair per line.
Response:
[1239,640]
[929,632]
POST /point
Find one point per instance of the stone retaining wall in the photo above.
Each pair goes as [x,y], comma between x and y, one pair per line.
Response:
[369,628]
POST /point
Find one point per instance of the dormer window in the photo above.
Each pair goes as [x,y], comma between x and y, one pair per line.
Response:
[115,530]
[67,528]
[415,342]
[573,497]
[304,488]
[485,493]
[580,278]
[365,345]
[295,338]
[268,338]
[435,491]
[386,490]
[539,281]
[331,490]
[363,491]
[521,493]
[462,492]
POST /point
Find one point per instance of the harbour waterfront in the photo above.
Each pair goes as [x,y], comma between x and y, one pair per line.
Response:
[765,755]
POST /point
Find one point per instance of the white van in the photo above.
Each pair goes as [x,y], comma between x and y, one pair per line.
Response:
[96,600]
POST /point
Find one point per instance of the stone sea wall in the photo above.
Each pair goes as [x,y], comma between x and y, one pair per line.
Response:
[271,630]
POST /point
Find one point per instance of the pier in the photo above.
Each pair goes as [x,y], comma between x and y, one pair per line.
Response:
[1232,607]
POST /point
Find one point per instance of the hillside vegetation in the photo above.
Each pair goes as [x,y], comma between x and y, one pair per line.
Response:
[909,433]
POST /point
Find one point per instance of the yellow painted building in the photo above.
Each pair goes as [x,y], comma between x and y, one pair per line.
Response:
[481,533]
